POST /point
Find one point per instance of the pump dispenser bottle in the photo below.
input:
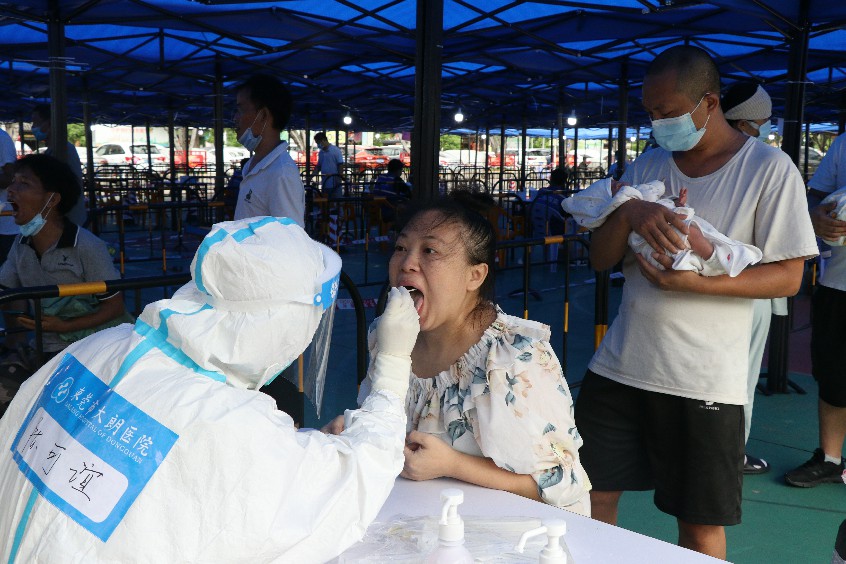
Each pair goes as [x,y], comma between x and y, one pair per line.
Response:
[553,552]
[451,549]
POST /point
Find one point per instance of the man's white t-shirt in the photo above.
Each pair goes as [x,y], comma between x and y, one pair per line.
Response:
[7,155]
[831,176]
[694,345]
[273,187]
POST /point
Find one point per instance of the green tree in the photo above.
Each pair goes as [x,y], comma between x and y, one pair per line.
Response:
[450,142]
[76,134]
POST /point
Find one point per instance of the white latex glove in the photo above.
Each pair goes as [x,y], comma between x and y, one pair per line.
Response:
[396,333]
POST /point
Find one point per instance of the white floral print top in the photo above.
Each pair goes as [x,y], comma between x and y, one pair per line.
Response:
[506,399]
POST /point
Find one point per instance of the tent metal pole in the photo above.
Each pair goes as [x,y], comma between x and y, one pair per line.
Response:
[94,224]
[220,165]
[425,136]
[562,146]
[777,380]
[524,187]
[501,152]
[58,87]
[308,145]
[487,160]
[170,142]
[149,156]
[622,126]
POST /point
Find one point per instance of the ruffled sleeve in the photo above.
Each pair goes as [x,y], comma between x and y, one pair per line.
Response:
[524,413]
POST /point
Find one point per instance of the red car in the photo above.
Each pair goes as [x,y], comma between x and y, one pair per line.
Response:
[370,157]
[196,157]
[299,157]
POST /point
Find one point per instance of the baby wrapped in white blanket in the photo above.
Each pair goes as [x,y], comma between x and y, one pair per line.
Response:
[839,212]
[592,206]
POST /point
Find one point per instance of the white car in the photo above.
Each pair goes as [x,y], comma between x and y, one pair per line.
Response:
[232,156]
[133,155]
[455,158]
[159,154]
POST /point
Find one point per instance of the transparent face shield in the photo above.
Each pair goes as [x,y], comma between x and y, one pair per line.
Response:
[308,372]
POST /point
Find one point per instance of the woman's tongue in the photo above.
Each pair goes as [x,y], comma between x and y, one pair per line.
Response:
[417,296]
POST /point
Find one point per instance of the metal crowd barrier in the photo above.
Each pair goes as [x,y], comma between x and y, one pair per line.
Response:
[38,293]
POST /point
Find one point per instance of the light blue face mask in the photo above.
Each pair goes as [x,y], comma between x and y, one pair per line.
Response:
[763,130]
[248,139]
[38,133]
[34,225]
[679,133]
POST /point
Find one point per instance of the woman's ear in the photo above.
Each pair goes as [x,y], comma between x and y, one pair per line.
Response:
[478,274]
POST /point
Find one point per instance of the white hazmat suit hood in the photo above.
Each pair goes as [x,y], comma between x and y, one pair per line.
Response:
[253,305]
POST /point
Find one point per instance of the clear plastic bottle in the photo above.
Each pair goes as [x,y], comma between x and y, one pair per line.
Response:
[553,552]
[451,549]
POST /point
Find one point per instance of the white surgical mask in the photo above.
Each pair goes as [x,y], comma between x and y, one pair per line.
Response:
[34,225]
[248,139]
[678,133]
[763,130]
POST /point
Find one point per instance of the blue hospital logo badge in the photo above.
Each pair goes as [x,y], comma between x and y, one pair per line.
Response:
[87,449]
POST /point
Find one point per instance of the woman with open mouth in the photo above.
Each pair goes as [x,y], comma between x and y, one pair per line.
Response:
[52,250]
[488,402]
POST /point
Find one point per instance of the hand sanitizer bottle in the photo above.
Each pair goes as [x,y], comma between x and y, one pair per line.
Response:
[451,549]
[553,552]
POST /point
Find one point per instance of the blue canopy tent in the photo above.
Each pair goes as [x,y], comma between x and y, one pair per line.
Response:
[394,64]
[508,59]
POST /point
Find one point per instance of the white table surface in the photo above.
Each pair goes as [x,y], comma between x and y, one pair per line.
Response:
[588,540]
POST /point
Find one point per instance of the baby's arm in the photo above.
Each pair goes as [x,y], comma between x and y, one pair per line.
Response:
[681,200]
[700,245]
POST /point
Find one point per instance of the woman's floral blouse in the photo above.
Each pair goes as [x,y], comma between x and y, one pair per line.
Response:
[506,399]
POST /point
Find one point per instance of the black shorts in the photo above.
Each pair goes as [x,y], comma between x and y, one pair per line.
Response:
[689,451]
[828,333]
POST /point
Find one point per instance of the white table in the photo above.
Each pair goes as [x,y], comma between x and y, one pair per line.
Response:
[588,540]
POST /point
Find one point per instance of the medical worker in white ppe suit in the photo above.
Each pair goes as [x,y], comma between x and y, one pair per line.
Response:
[150,443]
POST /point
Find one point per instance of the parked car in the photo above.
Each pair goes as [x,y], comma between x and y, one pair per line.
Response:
[159,154]
[370,157]
[299,156]
[136,155]
[814,158]
[464,157]
[535,158]
[397,152]
[232,156]
[196,158]
[115,154]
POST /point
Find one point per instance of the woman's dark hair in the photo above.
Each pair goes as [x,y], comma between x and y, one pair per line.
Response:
[736,95]
[469,211]
[55,176]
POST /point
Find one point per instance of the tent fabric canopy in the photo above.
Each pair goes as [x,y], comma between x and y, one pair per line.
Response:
[504,61]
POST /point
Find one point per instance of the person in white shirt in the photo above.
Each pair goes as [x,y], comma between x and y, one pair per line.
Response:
[271,184]
[329,161]
[826,465]
[674,422]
